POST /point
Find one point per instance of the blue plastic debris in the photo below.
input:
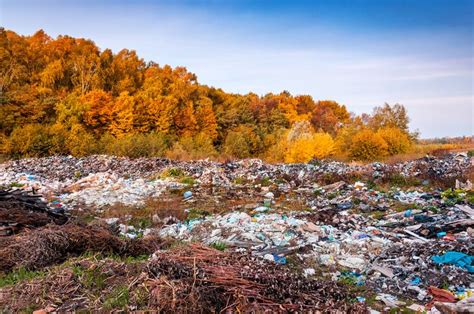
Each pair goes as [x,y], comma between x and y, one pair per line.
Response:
[354,277]
[345,206]
[441,234]
[187,194]
[456,258]
[279,259]
[407,213]
[360,299]
[415,281]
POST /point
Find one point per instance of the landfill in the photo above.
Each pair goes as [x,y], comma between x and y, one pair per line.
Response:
[390,236]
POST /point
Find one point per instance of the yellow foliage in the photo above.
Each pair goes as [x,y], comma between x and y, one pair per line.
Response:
[368,145]
[319,145]
[398,141]
[29,140]
[59,135]
[134,145]
[323,145]
[189,148]
[80,142]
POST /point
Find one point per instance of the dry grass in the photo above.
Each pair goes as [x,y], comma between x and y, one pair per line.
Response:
[162,207]
[185,279]
[421,150]
[54,244]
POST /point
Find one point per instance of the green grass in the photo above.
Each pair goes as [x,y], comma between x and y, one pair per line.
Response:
[118,298]
[399,180]
[141,222]
[92,278]
[265,181]
[16,185]
[19,275]
[378,214]
[29,309]
[188,180]
[470,197]
[240,180]
[173,173]
[452,196]
[196,214]
[221,246]
[401,207]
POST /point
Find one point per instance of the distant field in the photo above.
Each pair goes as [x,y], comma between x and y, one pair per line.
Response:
[420,150]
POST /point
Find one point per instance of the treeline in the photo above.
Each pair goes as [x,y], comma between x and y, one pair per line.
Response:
[66,96]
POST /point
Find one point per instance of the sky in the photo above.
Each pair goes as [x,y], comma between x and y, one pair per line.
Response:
[361,53]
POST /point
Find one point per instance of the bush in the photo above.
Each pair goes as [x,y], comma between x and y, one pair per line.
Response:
[3,144]
[135,145]
[197,147]
[59,135]
[397,141]
[319,145]
[343,140]
[80,142]
[31,140]
[368,146]
[242,142]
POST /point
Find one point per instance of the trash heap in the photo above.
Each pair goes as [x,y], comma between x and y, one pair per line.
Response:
[97,190]
[391,229]
[50,171]
[401,255]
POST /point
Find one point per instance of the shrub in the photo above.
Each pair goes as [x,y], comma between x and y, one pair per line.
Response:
[3,144]
[242,142]
[59,135]
[319,145]
[367,145]
[135,145]
[277,152]
[196,147]
[343,140]
[29,140]
[397,141]
[80,142]
[323,145]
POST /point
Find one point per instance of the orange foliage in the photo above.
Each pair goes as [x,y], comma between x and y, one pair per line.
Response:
[66,96]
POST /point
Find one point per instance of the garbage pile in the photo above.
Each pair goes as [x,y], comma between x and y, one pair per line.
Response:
[399,254]
[386,228]
[104,180]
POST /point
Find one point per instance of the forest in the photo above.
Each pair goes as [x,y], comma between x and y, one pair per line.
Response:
[66,96]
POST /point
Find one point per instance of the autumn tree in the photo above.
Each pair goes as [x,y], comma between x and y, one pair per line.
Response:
[368,146]
[329,116]
[65,95]
[388,116]
[397,141]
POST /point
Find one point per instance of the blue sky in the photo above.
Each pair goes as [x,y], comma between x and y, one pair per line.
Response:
[359,53]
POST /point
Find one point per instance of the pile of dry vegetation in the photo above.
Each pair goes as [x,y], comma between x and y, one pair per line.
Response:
[186,278]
